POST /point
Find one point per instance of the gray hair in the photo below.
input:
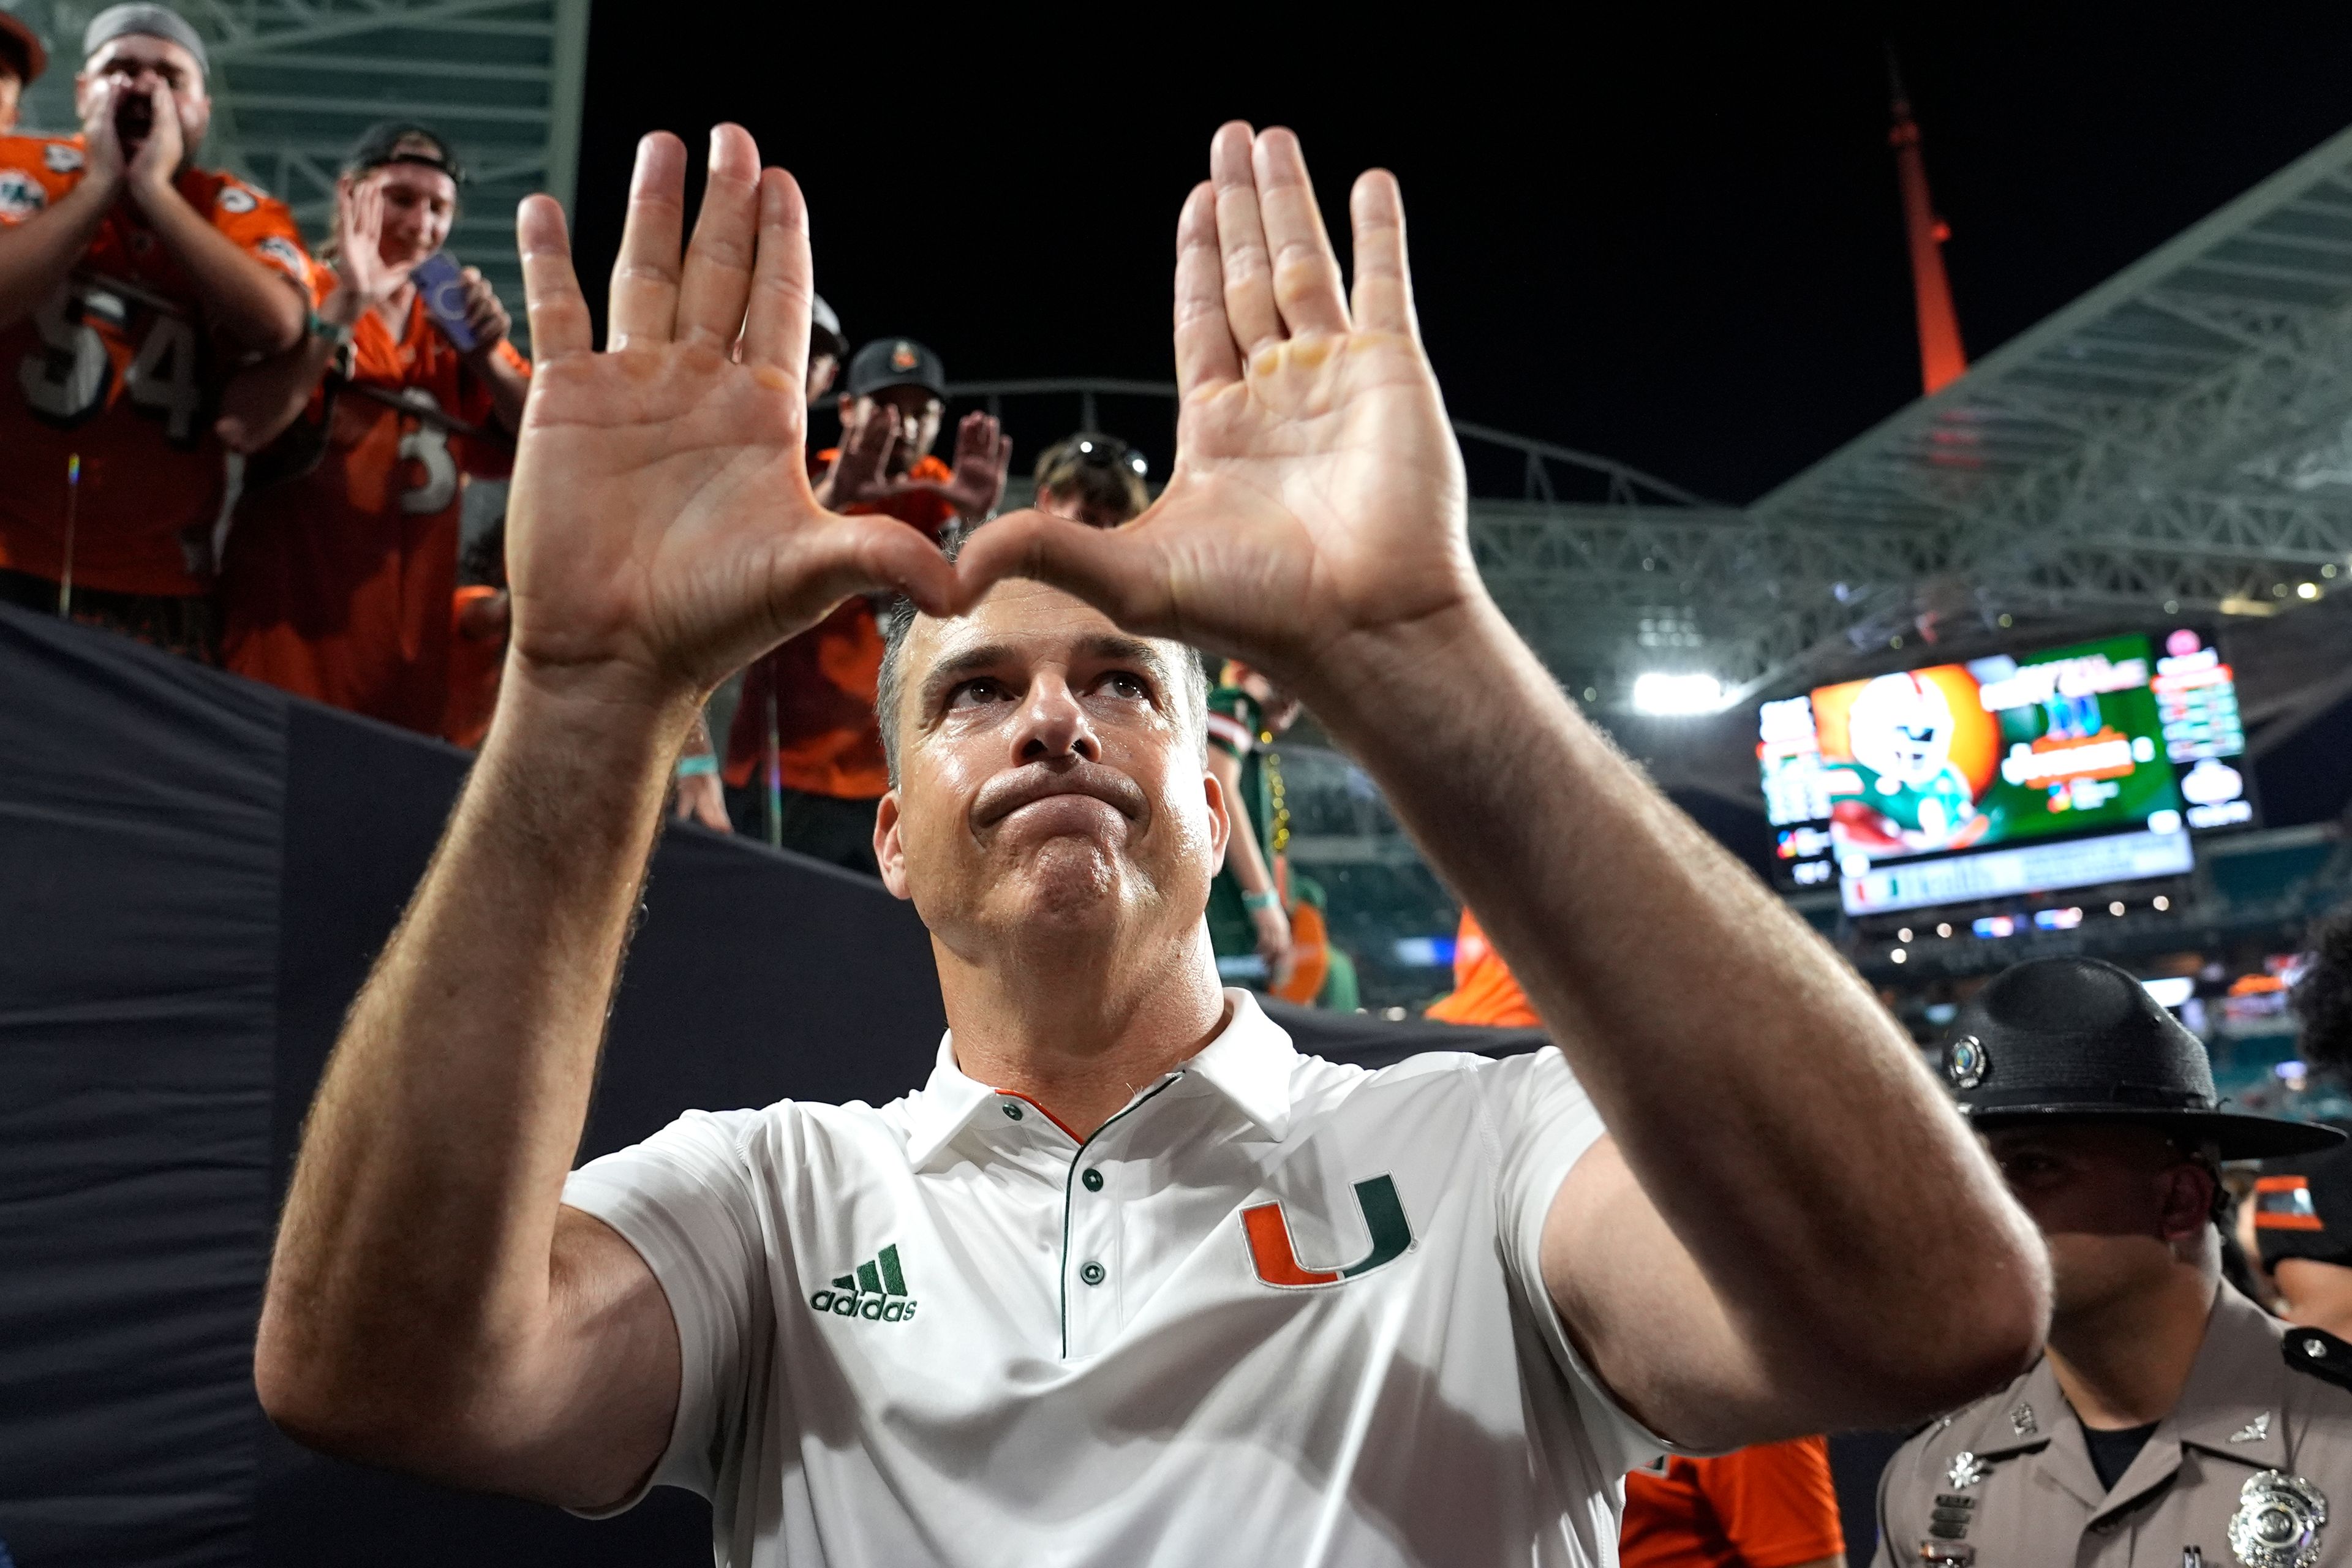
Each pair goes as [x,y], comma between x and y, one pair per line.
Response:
[897,618]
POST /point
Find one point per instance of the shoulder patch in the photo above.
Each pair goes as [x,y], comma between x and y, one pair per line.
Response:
[21,195]
[287,254]
[62,157]
[236,198]
[2318,1353]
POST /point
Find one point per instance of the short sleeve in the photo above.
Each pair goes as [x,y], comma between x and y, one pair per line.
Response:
[684,1199]
[1543,1123]
[264,229]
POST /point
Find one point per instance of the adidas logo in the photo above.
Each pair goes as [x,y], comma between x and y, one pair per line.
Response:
[875,1293]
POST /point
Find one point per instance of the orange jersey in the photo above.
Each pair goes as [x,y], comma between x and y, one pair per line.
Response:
[1773,1506]
[336,584]
[475,661]
[1485,989]
[117,367]
[824,681]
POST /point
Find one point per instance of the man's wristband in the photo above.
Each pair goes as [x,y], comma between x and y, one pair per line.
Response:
[699,764]
[1256,902]
[317,326]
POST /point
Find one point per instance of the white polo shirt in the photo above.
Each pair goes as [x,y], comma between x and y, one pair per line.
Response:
[1276,1310]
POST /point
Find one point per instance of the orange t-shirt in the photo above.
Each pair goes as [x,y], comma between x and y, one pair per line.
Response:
[1485,989]
[1772,1506]
[336,584]
[828,742]
[117,367]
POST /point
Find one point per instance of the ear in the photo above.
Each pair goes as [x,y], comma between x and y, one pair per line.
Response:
[2185,1201]
[889,848]
[1221,816]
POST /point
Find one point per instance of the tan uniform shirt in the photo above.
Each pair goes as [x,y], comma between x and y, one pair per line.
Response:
[2007,1483]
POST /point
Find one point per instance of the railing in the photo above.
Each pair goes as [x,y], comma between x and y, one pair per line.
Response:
[1624,484]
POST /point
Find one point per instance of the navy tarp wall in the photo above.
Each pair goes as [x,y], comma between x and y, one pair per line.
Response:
[195,873]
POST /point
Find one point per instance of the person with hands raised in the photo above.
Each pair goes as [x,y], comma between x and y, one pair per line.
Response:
[127,274]
[1128,1276]
[340,573]
[805,764]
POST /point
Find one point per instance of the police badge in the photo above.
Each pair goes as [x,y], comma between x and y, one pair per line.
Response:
[2278,1521]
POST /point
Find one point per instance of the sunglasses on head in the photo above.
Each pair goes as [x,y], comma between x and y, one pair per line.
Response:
[1108,452]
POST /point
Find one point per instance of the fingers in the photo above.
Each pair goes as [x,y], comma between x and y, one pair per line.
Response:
[1111,568]
[717,278]
[776,329]
[1306,286]
[873,554]
[1205,354]
[645,273]
[1383,297]
[558,315]
[1250,310]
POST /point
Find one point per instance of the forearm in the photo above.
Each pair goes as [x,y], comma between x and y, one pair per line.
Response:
[253,308]
[1756,1090]
[413,1263]
[38,254]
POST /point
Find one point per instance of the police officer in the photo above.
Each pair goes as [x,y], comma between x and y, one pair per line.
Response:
[2171,1420]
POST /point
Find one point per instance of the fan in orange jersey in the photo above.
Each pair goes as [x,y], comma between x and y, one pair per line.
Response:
[809,705]
[126,273]
[1771,1506]
[1485,989]
[23,57]
[337,581]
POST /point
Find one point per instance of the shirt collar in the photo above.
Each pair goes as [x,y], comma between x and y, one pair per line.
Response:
[1249,1063]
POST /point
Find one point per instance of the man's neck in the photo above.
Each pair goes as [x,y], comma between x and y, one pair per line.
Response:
[1081,1036]
[2124,1364]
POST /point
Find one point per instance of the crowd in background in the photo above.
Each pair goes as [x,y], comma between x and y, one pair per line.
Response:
[251,447]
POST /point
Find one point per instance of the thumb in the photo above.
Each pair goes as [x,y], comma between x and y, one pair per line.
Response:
[1114,570]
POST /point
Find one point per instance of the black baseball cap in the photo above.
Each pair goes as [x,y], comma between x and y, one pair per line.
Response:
[402,142]
[895,361]
[825,329]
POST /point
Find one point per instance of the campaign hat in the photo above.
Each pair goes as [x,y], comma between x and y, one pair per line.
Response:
[2079,1039]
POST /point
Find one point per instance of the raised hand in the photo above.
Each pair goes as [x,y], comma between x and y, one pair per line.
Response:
[1318,493]
[155,167]
[359,247]
[102,142]
[662,531]
[860,475]
[983,459]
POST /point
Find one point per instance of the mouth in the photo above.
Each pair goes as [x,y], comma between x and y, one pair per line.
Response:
[1074,792]
[134,120]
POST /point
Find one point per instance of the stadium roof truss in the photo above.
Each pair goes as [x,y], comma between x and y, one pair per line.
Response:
[296,81]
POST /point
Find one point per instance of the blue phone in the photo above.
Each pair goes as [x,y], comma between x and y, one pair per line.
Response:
[438,277]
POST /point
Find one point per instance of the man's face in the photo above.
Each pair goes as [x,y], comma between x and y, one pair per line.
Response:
[140,64]
[419,205]
[2111,1201]
[12,89]
[918,421]
[822,368]
[1051,781]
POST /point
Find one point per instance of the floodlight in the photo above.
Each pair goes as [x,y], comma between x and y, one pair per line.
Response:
[1677,695]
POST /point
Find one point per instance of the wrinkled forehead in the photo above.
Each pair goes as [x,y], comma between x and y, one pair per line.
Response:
[1026,620]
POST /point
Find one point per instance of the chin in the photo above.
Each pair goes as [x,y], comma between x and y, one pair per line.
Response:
[1070,882]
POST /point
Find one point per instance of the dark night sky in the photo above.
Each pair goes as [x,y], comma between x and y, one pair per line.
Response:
[1680,248]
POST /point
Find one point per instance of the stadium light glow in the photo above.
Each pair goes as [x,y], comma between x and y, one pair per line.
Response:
[1677,695]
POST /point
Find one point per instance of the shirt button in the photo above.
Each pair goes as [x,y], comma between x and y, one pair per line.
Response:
[1012,1111]
[1092,1273]
[1093,1179]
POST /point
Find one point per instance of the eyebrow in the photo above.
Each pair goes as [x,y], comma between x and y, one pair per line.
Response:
[1099,647]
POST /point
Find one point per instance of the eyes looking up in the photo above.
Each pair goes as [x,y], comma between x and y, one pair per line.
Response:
[982,691]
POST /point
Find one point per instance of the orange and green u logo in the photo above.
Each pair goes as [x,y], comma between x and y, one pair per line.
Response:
[1277,1264]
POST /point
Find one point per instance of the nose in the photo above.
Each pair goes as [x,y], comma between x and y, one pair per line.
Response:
[1054,725]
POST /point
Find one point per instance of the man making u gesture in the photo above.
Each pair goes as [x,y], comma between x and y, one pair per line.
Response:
[1129,1277]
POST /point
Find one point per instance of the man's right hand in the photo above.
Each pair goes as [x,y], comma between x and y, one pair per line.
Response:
[1272,941]
[663,533]
[102,159]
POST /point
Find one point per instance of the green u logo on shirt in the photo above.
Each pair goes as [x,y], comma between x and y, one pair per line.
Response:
[1277,1264]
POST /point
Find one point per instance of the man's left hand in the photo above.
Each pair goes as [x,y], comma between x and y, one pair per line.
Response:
[154,168]
[1317,502]
[486,315]
[984,458]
